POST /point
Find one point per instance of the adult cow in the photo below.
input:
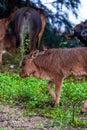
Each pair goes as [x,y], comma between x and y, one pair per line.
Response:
[80,32]
[29,22]
[55,65]
[3,29]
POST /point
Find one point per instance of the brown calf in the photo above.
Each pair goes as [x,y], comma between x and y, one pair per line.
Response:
[55,65]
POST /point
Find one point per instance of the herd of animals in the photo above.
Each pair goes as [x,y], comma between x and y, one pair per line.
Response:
[53,64]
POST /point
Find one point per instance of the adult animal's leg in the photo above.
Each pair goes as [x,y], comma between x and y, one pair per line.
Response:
[43,19]
[1,51]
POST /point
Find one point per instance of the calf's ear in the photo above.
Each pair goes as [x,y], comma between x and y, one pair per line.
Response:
[34,54]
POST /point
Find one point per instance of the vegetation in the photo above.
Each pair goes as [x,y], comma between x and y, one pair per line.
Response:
[32,94]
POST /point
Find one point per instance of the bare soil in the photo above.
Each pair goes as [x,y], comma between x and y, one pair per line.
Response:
[12,118]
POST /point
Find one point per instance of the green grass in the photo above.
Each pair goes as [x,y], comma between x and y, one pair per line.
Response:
[32,94]
[2,128]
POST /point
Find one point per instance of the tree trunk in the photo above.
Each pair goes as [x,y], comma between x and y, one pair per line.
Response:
[27,2]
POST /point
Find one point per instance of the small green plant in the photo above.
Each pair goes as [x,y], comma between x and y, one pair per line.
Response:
[63,44]
[26,42]
[23,48]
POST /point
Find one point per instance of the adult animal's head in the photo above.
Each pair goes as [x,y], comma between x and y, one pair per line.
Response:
[80,32]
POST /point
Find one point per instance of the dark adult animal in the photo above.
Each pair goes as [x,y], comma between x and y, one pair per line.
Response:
[55,65]
[80,32]
[27,23]
[3,28]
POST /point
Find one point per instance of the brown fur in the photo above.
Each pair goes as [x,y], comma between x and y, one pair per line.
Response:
[43,20]
[84,107]
[3,28]
[55,65]
[9,42]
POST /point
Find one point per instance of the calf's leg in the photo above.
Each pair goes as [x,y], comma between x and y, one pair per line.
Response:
[52,93]
[55,95]
[84,107]
[58,91]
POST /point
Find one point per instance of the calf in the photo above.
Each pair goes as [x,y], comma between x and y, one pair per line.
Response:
[55,65]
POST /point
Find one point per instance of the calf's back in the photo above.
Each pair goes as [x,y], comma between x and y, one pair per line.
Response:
[63,62]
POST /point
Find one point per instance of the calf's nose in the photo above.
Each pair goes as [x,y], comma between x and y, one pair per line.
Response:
[22,74]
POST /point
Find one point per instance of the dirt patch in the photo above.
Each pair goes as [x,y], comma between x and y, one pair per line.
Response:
[12,118]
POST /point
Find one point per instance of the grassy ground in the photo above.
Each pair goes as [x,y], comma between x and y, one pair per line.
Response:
[32,95]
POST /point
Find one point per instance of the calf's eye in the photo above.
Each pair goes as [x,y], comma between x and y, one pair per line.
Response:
[23,64]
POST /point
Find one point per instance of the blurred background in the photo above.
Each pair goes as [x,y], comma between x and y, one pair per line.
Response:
[61,16]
